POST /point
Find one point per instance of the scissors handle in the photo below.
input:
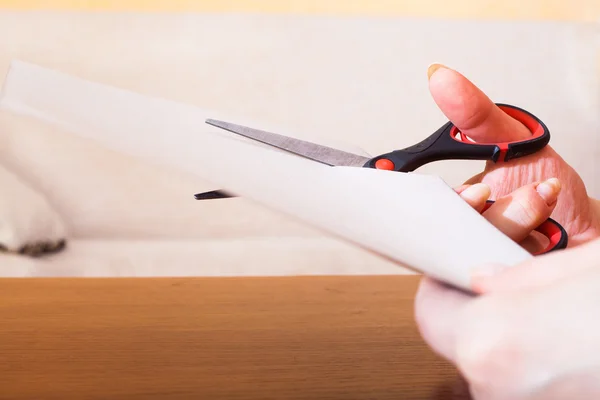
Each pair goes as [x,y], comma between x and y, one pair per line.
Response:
[557,236]
[449,143]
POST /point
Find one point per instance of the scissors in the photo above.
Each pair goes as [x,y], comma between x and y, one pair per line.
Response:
[447,143]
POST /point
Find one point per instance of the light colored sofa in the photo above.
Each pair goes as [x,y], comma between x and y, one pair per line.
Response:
[354,82]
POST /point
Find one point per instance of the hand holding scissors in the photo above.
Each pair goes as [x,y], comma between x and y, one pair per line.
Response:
[447,143]
[529,309]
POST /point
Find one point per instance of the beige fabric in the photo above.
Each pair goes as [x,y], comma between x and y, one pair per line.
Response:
[357,81]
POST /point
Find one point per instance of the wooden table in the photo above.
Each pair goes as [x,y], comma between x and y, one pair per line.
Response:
[216,338]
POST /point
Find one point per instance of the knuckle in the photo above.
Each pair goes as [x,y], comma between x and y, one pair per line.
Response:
[526,212]
[527,209]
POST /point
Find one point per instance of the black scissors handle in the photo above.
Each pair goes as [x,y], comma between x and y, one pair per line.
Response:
[449,143]
[557,236]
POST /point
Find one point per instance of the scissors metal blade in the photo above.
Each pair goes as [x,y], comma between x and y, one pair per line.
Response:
[312,151]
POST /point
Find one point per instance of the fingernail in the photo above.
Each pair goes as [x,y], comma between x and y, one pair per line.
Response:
[479,192]
[549,190]
[433,68]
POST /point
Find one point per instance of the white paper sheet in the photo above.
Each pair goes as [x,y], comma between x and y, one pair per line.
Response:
[408,218]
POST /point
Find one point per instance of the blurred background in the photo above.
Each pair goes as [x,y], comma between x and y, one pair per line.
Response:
[349,73]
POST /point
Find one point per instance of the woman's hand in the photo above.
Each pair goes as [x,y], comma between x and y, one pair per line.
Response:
[480,119]
[533,333]
[518,213]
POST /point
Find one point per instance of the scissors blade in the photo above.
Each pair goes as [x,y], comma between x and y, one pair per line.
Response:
[312,151]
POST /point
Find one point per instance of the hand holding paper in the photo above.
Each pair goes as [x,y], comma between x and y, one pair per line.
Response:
[506,342]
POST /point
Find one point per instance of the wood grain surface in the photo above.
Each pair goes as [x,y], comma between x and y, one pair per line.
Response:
[216,338]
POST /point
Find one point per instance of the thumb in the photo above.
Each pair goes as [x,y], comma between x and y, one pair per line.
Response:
[467,107]
[541,271]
